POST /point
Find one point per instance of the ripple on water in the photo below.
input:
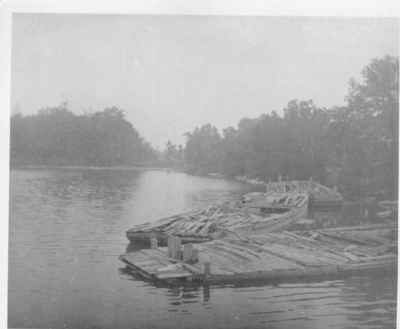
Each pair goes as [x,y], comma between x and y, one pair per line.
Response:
[67,229]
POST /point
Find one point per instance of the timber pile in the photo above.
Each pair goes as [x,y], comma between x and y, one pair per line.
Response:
[320,195]
[273,256]
[266,212]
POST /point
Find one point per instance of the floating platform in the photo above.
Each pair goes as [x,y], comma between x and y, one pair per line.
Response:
[274,256]
[255,212]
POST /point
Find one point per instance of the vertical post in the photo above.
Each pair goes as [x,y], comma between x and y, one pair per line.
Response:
[206,293]
[177,251]
[195,255]
[207,268]
[153,242]
[187,252]
[205,259]
[170,244]
[174,247]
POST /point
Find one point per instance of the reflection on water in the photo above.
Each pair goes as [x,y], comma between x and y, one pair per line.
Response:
[67,228]
[357,302]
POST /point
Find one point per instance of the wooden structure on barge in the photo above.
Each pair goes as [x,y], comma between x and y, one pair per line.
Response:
[273,256]
[320,195]
[255,212]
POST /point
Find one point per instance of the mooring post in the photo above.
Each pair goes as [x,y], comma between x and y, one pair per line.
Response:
[206,265]
[153,242]
[178,248]
[174,247]
[187,252]
[171,246]
[195,255]
[207,269]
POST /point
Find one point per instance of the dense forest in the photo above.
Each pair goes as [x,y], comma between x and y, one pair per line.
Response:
[354,146]
[57,136]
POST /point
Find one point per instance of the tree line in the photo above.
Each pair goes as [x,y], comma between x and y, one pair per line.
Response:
[57,136]
[354,146]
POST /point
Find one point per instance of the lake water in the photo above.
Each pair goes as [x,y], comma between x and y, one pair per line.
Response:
[67,229]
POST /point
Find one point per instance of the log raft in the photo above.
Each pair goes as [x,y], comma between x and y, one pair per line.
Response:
[254,212]
[271,256]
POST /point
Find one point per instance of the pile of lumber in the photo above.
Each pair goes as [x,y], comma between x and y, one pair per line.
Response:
[241,217]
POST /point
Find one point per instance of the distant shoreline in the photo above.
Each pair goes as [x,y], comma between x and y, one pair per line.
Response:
[137,167]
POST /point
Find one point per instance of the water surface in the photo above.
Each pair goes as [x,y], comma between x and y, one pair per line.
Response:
[67,229]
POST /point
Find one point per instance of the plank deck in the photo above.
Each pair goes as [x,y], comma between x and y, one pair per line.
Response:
[274,256]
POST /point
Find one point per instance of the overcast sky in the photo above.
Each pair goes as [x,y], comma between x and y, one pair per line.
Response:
[172,73]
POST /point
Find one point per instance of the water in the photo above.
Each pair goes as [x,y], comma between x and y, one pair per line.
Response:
[67,229]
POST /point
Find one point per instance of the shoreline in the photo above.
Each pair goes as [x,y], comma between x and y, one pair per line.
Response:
[122,168]
[257,183]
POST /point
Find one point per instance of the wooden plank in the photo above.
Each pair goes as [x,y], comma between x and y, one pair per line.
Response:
[369,227]
[267,261]
[319,251]
[315,244]
[294,256]
[233,260]
[195,269]
[347,239]
[242,256]
[173,275]
[245,247]
[222,261]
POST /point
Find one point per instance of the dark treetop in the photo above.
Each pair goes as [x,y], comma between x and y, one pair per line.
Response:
[56,136]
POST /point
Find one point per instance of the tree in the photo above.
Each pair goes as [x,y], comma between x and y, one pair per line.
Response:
[354,146]
[57,136]
[372,118]
[202,150]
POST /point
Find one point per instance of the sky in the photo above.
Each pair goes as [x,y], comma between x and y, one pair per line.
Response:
[173,73]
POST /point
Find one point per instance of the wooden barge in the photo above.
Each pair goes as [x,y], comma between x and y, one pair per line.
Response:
[254,212]
[320,195]
[270,256]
